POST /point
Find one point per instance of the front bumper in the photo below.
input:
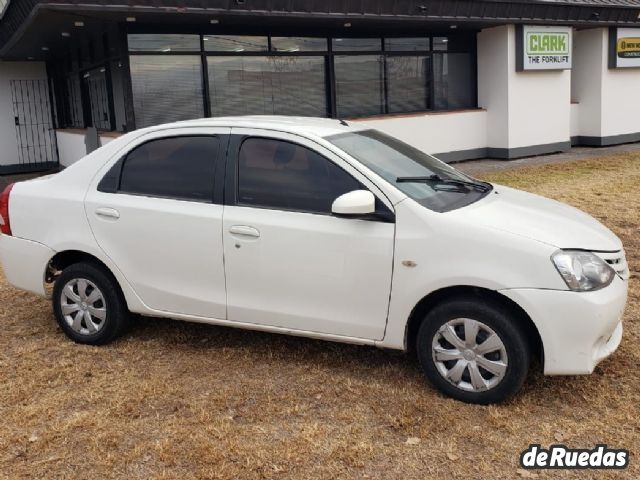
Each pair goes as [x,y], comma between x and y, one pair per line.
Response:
[578,329]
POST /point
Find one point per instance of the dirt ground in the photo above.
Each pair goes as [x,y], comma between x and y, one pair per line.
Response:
[177,400]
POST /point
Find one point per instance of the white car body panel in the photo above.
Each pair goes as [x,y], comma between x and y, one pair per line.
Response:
[22,262]
[530,215]
[465,256]
[144,240]
[309,272]
[316,275]
[578,329]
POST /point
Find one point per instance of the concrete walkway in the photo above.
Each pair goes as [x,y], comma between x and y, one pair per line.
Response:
[475,167]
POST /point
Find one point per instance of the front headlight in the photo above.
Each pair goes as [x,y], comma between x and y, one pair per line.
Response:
[583,271]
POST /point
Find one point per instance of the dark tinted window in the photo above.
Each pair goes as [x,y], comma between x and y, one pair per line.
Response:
[163,43]
[179,167]
[454,81]
[357,44]
[235,43]
[282,175]
[298,44]
[406,44]
[359,85]
[74,103]
[408,83]
[95,82]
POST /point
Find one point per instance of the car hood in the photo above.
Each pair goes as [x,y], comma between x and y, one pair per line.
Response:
[541,219]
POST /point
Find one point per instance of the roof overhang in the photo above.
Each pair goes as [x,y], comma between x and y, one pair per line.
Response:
[28,23]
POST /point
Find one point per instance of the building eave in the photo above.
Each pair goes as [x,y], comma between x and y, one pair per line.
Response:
[583,13]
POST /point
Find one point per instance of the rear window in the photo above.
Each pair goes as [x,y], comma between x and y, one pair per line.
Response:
[179,167]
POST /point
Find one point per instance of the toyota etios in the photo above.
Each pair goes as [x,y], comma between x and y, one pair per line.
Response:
[316,228]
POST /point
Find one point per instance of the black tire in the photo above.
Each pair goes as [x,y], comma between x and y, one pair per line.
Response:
[498,319]
[116,315]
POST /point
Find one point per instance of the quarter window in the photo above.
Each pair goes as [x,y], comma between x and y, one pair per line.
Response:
[178,167]
[283,175]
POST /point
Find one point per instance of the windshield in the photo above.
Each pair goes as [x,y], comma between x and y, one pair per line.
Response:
[422,177]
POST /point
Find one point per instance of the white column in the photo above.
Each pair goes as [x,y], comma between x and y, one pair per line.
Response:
[609,99]
[529,113]
[589,62]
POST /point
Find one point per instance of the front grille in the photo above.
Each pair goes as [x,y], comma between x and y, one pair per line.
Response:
[618,262]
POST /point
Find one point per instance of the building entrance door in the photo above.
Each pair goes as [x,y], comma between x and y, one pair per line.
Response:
[35,134]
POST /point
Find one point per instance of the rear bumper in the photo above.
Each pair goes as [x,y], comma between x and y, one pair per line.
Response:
[24,263]
[578,330]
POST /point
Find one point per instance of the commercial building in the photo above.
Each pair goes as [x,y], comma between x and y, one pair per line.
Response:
[463,79]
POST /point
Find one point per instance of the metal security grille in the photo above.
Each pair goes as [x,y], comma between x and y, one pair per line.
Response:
[74,103]
[34,127]
[96,85]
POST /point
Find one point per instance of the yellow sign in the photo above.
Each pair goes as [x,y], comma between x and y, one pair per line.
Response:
[628,47]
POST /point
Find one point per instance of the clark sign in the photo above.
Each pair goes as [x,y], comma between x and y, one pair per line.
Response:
[543,48]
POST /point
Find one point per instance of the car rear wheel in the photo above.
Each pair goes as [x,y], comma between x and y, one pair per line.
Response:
[88,304]
[473,351]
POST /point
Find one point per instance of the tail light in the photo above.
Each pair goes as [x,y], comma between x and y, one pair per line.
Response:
[5,226]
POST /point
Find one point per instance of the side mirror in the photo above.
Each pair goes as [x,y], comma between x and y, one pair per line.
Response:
[356,203]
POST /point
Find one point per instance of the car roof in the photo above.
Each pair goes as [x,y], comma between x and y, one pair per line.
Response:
[321,127]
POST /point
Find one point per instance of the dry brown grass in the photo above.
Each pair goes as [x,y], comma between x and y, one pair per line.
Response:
[177,400]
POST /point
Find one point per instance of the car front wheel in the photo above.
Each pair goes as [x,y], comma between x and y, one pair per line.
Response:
[473,351]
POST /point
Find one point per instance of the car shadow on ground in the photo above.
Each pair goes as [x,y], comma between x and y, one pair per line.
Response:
[286,351]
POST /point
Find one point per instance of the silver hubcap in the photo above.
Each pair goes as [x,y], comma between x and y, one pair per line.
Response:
[469,354]
[83,306]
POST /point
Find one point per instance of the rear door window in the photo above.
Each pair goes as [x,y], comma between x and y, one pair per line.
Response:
[178,167]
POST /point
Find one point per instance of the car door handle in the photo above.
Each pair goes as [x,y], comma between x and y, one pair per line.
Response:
[106,212]
[244,231]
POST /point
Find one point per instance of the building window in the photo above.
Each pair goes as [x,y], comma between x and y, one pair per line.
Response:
[235,43]
[359,85]
[408,82]
[166,88]
[163,43]
[73,111]
[420,44]
[356,44]
[118,80]
[267,85]
[454,81]
[95,82]
[298,44]
[441,43]
[177,77]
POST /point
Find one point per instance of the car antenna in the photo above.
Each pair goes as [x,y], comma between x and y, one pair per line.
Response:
[343,122]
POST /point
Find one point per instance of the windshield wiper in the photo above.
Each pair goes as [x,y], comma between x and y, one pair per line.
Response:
[435,178]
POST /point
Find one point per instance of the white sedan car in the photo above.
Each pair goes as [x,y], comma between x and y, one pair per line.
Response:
[316,228]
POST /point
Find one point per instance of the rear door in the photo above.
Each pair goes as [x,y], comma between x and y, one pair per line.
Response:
[289,263]
[156,215]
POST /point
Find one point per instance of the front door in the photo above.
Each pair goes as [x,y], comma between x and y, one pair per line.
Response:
[155,216]
[289,263]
